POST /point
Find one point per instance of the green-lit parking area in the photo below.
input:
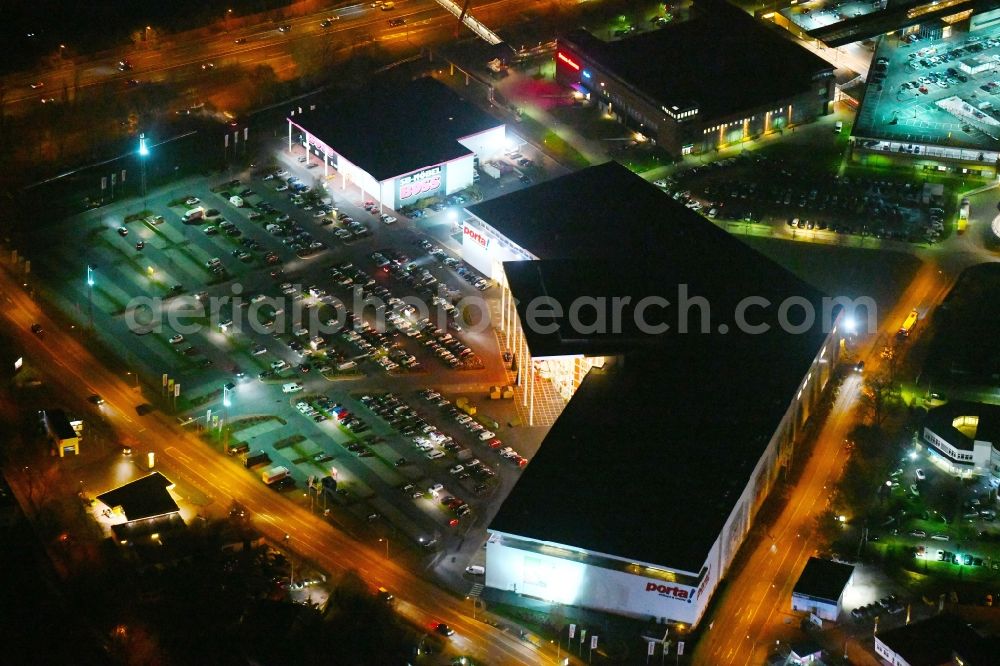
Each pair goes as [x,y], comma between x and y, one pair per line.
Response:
[934,100]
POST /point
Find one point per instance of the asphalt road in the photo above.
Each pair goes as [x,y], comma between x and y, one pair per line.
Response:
[71,366]
[759,593]
[180,57]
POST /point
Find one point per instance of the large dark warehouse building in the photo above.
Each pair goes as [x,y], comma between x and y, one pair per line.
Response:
[719,78]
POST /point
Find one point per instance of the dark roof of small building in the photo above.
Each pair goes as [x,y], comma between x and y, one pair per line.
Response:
[938,640]
[805,648]
[724,61]
[59,424]
[823,579]
[391,130]
[940,420]
[676,429]
[143,498]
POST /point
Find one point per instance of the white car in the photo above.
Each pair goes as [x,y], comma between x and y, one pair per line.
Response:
[485,435]
[292,387]
[193,201]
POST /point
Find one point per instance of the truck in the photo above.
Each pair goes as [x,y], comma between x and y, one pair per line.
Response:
[963,215]
[908,324]
[259,458]
[490,170]
[194,214]
[272,475]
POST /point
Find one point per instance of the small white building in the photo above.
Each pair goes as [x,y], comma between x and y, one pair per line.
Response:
[963,438]
[820,588]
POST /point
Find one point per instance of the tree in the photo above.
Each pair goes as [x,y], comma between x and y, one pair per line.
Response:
[875,395]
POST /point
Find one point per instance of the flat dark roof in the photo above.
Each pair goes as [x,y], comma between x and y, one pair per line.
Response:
[393,129]
[823,579]
[938,640]
[670,436]
[941,419]
[723,61]
[59,424]
[143,498]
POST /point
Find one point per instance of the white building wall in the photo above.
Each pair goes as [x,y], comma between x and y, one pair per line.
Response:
[458,175]
[821,609]
[567,581]
[387,195]
[486,250]
[486,145]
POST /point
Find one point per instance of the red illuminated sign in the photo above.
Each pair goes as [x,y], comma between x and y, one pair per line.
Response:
[672,591]
[566,59]
[475,236]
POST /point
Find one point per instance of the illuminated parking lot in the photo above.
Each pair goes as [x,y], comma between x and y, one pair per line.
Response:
[939,99]
[820,13]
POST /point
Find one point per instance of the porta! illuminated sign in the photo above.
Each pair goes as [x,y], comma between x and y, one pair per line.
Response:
[476,237]
[670,591]
[422,182]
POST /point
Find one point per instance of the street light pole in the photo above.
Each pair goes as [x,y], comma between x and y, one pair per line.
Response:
[143,153]
[90,294]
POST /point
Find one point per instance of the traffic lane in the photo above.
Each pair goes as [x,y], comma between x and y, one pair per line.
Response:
[753,594]
[928,284]
[923,285]
[202,465]
[192,54]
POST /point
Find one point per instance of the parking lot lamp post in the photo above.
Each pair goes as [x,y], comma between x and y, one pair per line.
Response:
[143,154]
[291,563]
[90,294]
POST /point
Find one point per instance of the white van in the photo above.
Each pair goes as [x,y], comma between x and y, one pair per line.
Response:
[291,387]
[236,201]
